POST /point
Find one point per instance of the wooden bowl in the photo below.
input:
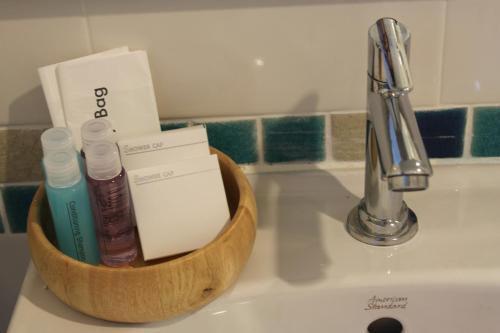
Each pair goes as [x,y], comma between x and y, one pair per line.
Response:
[156,290]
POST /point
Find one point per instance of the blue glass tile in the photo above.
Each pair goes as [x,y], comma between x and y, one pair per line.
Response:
[486,132]
[238,139]
[443,131]
[444,147]
[17,201]
[294,139]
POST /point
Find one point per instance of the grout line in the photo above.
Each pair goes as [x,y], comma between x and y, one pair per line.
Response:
[207,119]
[353,165]
[477,105]
[260,142]
[441,107]
[469,120]
[328,138]
[443,48]
[315,114]
[28,183]
[3,214]
[21,127]
[340,112]
[87,26]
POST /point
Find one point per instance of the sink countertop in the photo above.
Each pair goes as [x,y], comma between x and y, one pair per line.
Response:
[305,264]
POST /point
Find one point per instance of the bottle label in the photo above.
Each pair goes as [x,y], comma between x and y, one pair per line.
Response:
[112,206]
[74,220]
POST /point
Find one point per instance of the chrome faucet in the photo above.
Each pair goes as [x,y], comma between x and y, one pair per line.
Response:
[396,160]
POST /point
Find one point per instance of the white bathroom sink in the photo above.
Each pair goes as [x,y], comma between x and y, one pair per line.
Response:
[307,274]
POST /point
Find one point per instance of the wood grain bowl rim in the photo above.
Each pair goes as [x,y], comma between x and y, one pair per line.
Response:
[37,235]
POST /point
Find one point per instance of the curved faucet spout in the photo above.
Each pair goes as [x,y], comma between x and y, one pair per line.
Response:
[396,160]
[399,143]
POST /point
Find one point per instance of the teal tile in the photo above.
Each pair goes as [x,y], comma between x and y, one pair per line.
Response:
[2,230]
[238,139]
[486,132]
[17,201]
[171,126]
[294,139]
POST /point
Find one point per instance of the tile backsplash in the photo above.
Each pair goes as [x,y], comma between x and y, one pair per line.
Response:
[16,200]
[20,155]
[220,58]
[443,131]
[238,139]
[294,139]
[486,137]
[348,136]
[280,86]
[277,143]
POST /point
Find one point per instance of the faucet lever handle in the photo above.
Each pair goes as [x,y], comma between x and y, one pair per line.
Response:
[388,47]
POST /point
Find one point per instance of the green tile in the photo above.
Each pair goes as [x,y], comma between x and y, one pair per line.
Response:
[17,201]
[238,139]
[294,139]
[171,126]
[486,132]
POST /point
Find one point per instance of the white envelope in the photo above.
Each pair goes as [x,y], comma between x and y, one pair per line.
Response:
[118,87]
[50,85]
[179,207]
[165,147]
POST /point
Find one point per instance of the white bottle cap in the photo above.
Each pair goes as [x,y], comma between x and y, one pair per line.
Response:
[103,160]
[61,168]
[57,139]
[95,130]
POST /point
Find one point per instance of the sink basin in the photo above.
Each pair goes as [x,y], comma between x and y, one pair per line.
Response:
[307,274]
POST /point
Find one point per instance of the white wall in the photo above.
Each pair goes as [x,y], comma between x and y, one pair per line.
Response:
[228,57]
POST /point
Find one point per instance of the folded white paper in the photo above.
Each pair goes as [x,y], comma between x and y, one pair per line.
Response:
[50,85]
[163,148]
[116,87]
[179,207]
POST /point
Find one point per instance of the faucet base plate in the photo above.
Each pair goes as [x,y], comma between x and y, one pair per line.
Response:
[361,225]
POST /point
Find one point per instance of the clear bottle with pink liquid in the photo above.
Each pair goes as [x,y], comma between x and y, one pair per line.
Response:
[111,204]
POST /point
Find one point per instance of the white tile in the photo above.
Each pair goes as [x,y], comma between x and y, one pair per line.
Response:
[259,60]
[471,64]
[33,34]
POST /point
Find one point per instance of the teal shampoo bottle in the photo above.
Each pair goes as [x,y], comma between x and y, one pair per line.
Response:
[70,206]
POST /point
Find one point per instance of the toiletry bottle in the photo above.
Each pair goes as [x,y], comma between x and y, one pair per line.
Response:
[58,139]
[96,130]
[111,204]
[70,206]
